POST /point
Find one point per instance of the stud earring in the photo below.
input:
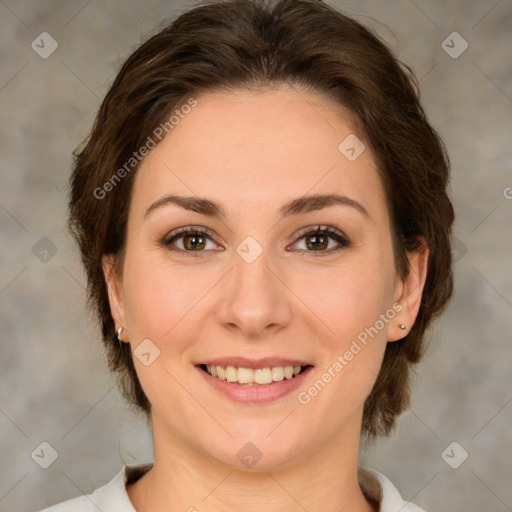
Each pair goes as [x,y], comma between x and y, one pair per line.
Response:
[403,327]
[119,331]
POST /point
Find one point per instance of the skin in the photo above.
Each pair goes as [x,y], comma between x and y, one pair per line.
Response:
[253,151]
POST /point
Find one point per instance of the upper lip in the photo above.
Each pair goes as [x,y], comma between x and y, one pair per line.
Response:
[264,362]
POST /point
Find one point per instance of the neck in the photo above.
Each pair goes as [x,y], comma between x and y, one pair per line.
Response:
[184,478]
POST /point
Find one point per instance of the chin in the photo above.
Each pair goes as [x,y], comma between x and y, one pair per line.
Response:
[257,449]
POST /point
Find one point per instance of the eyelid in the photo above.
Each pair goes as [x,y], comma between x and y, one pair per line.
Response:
[187,230]
[316,228]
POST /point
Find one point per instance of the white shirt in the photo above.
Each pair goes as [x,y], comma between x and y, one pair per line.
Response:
[113,497]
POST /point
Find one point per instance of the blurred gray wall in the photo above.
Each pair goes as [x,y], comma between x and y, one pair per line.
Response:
[55,385]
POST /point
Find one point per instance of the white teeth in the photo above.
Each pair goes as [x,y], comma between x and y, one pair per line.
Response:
[245,376]
[250,377]
[231,374]
[263,376]
[277,373]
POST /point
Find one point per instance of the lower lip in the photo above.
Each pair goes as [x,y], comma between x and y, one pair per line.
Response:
[258,393]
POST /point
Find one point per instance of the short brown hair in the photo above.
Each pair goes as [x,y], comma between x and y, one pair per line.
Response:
[248,44]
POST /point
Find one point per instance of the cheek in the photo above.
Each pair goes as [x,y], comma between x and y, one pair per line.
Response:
[168,303]
[162,306]
[159,297]
[355,302]
[352,298]
[357,311]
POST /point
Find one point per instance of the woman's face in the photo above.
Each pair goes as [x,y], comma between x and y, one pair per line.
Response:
[256,290]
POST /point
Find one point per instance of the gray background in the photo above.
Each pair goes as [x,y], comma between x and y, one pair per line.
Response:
[55,385]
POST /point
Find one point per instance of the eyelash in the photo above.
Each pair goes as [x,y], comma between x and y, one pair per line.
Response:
[324,230]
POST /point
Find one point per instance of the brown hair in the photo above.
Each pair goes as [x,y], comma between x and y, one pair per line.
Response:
[237,44]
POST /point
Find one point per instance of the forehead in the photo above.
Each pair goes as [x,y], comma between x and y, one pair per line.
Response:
[258,148]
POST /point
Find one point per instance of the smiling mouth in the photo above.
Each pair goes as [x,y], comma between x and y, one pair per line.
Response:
[253,377]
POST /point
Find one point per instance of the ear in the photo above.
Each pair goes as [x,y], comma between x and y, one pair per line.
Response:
[115,292]
[408,293]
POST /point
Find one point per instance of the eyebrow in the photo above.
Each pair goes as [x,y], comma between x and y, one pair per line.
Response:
[297,206]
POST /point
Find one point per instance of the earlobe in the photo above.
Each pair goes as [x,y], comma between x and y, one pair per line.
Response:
[409,293]
[114,288]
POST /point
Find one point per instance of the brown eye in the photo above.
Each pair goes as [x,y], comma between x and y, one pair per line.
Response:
[191,240]
[194,241]
[317,239]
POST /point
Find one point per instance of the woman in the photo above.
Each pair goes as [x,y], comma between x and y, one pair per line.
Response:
[262,213]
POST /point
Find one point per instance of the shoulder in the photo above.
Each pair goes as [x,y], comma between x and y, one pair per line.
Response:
[380,489]
[80,504]
[112,497]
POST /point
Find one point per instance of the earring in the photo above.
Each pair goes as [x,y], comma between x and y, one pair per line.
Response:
[403,327]
[119,331]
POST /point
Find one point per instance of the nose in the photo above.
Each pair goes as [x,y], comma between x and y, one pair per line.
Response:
[256,301]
